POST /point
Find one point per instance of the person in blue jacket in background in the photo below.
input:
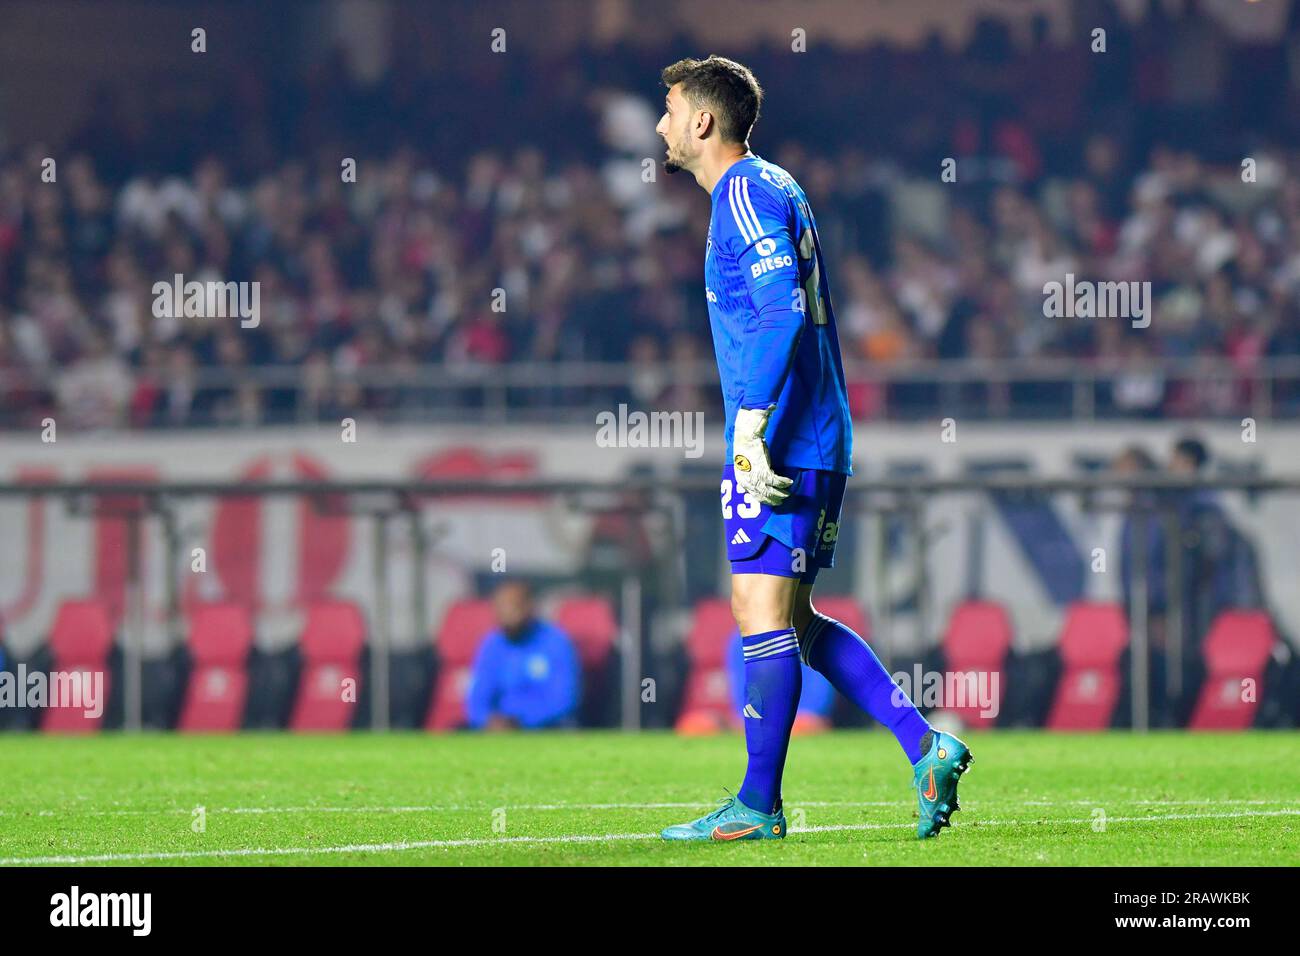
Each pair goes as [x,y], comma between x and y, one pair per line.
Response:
[526,673]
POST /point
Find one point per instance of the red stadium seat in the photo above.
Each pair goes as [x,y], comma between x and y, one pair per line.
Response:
[463,629]
[1236,650]
[711,628]
[331,646]
[80,640]
[590,622]
[706,704]
[977,641]
[1092,642]
[221,636]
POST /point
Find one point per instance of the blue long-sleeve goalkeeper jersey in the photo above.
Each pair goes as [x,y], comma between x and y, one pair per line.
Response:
[773,325]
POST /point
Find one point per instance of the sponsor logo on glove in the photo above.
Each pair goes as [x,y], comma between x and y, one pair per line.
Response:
[754,474]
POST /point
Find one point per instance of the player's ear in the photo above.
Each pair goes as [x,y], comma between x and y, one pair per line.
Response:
[703,123]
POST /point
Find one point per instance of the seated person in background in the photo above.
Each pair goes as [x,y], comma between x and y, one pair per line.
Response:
[815,699]
[526,673]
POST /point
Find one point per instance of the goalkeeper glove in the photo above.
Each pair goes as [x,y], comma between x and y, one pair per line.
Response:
[754,474]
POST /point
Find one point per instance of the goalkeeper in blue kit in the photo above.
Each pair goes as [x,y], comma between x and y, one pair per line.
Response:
[789,450]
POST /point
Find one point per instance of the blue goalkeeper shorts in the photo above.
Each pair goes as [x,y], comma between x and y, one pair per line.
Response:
[794,539]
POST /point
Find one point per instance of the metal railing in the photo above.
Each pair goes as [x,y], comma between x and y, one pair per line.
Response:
[382,501]
[1041,388]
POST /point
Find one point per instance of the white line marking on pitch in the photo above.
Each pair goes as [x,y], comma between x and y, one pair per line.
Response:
[483,808]
[447,808]
[573,838]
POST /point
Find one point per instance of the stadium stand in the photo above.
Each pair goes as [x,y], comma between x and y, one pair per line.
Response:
[367,283]
[367,289]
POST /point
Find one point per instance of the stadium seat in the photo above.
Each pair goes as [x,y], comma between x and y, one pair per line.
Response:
[977,641]
[220,638]
[1092,642]
[590,621]
[1236,650]
[331,645]
[706,703]
[463,629]
[80,641]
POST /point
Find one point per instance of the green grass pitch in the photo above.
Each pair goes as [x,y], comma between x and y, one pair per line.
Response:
[600,798]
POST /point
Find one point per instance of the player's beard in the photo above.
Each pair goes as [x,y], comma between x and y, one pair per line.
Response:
[674,162]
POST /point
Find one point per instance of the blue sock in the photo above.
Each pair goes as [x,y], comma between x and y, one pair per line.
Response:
[852,667]
[773,680]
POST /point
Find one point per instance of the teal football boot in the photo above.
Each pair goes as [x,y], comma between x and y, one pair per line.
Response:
[935,779]
[731,821]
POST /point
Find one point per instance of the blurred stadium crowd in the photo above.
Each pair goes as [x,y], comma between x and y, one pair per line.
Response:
[529,175]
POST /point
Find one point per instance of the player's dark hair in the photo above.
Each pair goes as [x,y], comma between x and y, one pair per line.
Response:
[1193,449]
[723,87]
